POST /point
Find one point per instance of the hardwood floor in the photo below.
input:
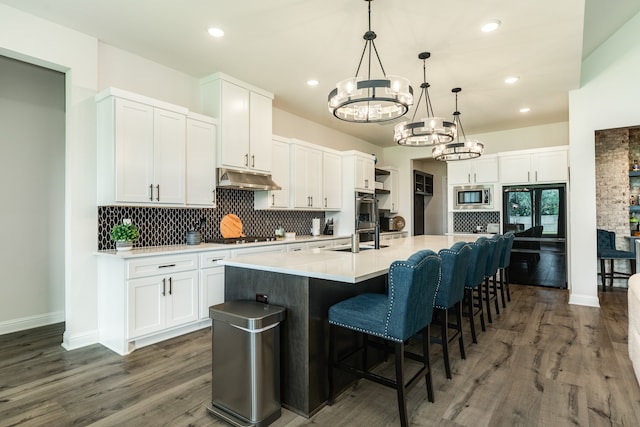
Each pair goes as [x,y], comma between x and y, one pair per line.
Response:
[541,363]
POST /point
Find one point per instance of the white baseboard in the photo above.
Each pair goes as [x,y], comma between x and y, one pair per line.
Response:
[81,340]
[586,300]
[20,324]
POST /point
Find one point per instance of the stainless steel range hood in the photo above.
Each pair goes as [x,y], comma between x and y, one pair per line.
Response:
[244,180]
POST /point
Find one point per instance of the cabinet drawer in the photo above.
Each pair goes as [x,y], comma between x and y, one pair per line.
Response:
[210,259]
[161,265]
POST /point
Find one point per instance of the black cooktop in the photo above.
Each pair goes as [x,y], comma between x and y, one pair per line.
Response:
[239,240]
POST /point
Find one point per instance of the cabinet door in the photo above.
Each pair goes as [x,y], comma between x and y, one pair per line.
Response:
[212,289]
[133,151]
[281,174]
[391,184]
[234,126]
[200,163]
[515,169]
[146,305]
[550,166]
[299,176]
[485,170]
[459,173]
[169,136]
[260,118]
[364,174]
[306,177]
[182,298]
[314,178]
[331,181]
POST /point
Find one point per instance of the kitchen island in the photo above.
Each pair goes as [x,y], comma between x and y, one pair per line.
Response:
[307,283]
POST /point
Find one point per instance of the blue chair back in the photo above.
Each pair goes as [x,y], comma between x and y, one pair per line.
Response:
[455,262]
[606,240]
[412,288]
[505,257]
[495,251]
[477,262]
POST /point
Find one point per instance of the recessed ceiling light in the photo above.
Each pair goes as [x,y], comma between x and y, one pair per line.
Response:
[312,82]
[215,32]
[511,80]
[525,110]
[490,25]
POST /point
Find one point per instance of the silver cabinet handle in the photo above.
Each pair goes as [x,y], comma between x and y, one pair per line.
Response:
[273,200]
[325,202]
[311,201]
[164,287]
[213,198]
[151,192]
[366,183]
[469,178]
[536,176]
[170,286]
[158,192]
[528,176]
[253,161]
[475,178]
[246,159]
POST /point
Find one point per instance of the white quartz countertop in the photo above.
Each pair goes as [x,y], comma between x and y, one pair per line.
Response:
[346,267]
[203,247]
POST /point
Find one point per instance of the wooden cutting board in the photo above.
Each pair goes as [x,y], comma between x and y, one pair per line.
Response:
[231,226]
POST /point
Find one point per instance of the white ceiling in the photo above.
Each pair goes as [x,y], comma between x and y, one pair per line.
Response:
[278,45]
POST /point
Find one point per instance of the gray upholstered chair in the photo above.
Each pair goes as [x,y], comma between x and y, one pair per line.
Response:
[403,312]
[473,284]
[607,251]
[449,296]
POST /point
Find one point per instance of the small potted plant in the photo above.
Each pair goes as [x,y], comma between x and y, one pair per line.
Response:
[124,234]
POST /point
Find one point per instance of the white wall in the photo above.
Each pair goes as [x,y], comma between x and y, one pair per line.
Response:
[291,126]
[608,98]
[34,40]
[32,192]
[550,135]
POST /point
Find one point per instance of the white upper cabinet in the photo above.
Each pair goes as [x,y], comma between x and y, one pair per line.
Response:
[535,166]
[359,167]
[477,171]
[388,199]
[245,114]
[306,174]
[201,161]
[141,150]
[331,181]
[281,175]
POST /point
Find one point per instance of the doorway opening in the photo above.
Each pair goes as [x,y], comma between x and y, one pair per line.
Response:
[537,216]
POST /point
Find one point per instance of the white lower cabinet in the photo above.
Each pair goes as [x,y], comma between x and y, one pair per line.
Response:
[145,300]
[211,280]
[160,302]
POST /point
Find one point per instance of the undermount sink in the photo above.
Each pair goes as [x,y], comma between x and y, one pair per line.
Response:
[362,248]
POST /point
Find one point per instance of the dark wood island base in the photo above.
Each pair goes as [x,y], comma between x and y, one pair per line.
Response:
[305,332]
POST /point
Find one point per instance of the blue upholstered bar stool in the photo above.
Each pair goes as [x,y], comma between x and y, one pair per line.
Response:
[473,284]
[495,248]
[493,261]
[503,266]
[449,295]
[607,251]
[397,316]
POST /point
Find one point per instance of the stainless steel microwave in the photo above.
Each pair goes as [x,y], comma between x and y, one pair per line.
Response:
[473,197]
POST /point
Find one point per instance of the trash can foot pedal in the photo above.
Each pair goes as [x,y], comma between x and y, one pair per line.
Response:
[234,420]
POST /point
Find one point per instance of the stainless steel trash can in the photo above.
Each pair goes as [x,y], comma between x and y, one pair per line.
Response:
[246,362]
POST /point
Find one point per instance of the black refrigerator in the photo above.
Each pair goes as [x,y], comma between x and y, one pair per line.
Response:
[538,216]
